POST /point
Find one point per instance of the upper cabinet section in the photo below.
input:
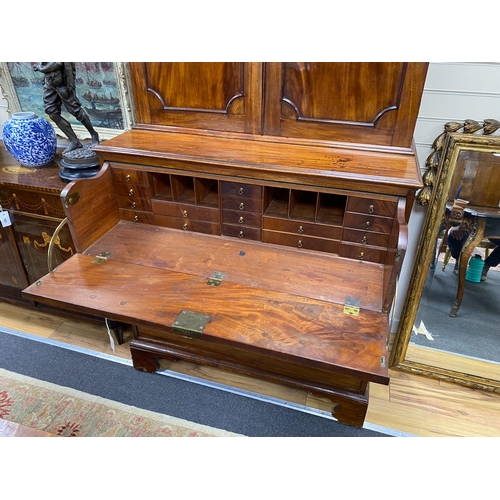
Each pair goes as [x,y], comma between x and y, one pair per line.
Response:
[375,104]
[225,96]
[371,103]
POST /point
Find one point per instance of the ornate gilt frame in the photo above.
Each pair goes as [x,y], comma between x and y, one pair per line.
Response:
[122,73]
[450,144]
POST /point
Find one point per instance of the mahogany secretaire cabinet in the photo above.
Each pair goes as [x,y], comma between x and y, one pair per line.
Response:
[254,219]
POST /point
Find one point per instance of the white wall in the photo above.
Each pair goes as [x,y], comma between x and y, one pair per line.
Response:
[453,92]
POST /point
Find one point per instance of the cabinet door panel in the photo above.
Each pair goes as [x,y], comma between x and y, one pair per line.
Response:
[372,103]
[11,267]
[33,237]
[209,95]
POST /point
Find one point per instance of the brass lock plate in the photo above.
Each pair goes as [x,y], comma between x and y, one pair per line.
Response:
[351,306]
[190,323]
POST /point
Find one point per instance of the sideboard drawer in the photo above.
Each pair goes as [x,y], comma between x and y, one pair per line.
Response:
[31,202]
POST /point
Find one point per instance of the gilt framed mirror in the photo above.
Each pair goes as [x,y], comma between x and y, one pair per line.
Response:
[449,325]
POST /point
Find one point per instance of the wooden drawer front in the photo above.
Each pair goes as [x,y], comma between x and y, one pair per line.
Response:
[31,202]
[133,203]
[299,241]
[137,216]
[243,232]
[187,224]
[185,210]
[261,362]
[368,223]
[245,219]
[302,228]
[372,207]
[369,254]
[366,238]
[242,197]
[130,176]
[132,190]
[239,190]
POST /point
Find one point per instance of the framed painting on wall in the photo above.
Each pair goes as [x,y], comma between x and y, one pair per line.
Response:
[102,88]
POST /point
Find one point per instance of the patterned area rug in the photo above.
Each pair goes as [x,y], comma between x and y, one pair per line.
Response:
[67,412]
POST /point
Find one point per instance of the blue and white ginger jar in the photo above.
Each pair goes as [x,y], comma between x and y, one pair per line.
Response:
[30,139]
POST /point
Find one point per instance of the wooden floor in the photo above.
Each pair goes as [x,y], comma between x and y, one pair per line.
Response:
[411,404]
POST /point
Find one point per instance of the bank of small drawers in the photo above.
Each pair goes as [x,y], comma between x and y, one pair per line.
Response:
[241,210]
[368,224]
[133,194]
[359,228]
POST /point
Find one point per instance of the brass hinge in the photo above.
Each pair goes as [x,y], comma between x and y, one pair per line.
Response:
[101,258]
[216,278]
[190,323]
[351,306]
[70,200]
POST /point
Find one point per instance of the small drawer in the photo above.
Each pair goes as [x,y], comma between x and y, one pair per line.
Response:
[187,224]
[369,206]
[304,242]
[366,238]
[245,219]
[136,216]
[240,190]
[132,190]
[243,232]
[185,210]
[368,254]
[128,175]
[133,203]
[368,223]
[303,228]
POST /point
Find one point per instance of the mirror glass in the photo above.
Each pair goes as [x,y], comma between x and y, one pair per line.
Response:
[449,327]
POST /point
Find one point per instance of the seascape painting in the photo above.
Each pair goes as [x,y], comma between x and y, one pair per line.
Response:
[96,88]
